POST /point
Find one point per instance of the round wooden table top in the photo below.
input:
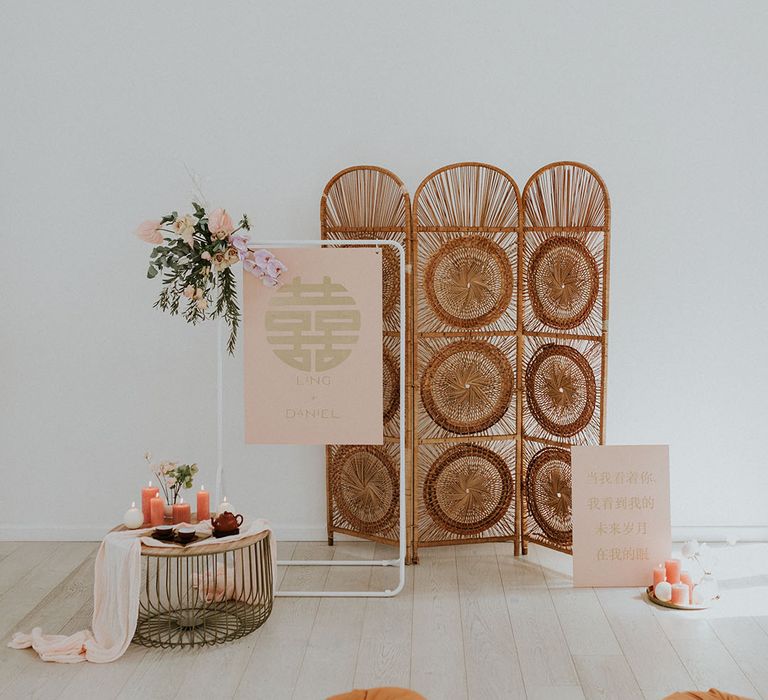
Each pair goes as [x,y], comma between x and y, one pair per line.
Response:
[214,547]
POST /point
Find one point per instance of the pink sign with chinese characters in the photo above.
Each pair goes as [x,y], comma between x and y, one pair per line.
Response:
[313,357]
[620,509]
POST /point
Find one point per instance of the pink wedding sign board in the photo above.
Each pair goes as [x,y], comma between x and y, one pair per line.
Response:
[313,356]
[620,509]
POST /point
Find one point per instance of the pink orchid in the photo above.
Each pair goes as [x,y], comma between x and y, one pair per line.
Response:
[150,232]
[262,258]
[275,268]
[249,264]
[220,223]
[239,241]
[264,266]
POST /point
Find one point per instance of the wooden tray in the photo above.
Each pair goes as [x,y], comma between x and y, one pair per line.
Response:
[668,604]
[196,538]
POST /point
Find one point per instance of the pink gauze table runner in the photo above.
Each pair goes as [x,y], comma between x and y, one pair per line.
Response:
[116,589]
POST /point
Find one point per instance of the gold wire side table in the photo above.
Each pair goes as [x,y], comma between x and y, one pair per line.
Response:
[204,595]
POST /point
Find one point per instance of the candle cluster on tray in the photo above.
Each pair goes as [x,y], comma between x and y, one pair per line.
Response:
[169,506]
[672,584]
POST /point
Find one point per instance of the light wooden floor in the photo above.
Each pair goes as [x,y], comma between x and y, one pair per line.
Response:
[473,623]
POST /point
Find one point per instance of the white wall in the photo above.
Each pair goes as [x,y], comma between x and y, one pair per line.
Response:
[107,105]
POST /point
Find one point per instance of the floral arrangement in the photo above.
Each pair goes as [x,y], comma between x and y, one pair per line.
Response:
[196,252]
[172,477]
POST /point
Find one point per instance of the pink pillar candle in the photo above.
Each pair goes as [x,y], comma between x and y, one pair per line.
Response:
[182,512]
[685,578]
[659,575]
[156,511]
[672,567]
[203,504]
[680,594]
[147,494]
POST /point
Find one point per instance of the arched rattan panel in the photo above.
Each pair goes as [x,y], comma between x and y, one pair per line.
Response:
[563,287]
[368,202]
[465,229]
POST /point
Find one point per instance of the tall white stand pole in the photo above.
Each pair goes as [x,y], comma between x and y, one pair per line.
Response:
[220,409]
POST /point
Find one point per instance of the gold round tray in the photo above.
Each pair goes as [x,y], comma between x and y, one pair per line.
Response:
[667,604]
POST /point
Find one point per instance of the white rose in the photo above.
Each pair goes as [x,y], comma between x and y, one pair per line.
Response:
[184,226]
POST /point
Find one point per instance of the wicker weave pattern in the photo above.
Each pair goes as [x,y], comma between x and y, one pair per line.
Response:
[465,244]
[507,334]
[468,282]
[467,492]
[548,495]
[467,197]
[563,282]
[365,203]
[365,487]
[565,195]
[466,387]
[571,415]
[560,389]
[566,217]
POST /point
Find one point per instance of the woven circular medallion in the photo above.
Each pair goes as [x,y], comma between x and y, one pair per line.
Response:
[563,282]
[468,489]
[468,282]
[560,389]
[548,493]
[467,386]
[365,487]
[391,386]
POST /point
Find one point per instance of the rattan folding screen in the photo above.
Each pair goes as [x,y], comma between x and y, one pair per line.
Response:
[507,329]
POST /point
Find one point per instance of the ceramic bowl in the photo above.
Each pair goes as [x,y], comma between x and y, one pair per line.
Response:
[163,532]
[186,534]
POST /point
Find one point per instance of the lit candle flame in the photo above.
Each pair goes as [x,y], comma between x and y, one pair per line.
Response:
[133,504]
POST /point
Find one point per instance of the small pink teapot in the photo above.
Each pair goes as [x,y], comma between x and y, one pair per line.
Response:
[226,522]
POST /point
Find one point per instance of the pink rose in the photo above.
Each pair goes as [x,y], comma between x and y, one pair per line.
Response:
[149,232]
[189,291]
[220,223]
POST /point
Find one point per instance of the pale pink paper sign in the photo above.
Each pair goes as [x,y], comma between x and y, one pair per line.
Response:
[620,509]
[313,356]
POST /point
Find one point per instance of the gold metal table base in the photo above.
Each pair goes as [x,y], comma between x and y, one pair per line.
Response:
[204,595]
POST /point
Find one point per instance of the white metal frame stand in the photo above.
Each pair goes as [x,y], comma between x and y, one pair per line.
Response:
[400,561]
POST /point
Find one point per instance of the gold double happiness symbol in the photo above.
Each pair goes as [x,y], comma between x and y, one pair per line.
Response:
[312,326]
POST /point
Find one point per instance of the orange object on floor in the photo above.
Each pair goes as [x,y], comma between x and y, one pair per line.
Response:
[711,694]
[380,694]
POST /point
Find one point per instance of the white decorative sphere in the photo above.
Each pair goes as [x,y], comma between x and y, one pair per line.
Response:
[133,518]
[690,548]
[663,591]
